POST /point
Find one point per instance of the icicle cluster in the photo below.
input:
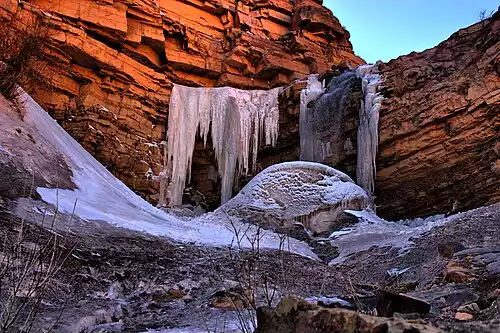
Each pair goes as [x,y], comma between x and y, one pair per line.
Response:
[313,90]
[237,119]
[368,126]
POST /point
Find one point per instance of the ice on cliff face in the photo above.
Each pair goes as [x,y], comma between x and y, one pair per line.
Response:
[322,122]
[308,141]
[237,120]
[317,128]
[366,167]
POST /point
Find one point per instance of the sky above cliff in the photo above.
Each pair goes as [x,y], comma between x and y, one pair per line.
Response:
[386,29]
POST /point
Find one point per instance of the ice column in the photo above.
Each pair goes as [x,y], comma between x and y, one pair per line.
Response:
[310,93]
[368,126]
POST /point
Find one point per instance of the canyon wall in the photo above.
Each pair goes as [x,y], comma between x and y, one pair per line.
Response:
[440,126]
[114,62]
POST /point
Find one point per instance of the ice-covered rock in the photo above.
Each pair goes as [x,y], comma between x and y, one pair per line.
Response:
[310,193]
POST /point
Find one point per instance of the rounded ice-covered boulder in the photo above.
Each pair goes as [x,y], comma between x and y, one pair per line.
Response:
[285,194]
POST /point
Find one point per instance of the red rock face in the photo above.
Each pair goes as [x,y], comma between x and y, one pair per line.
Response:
[440,126]
[115,61]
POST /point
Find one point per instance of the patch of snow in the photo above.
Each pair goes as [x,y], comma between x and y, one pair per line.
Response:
[341,232]
[374,231]
[151,144]
[329,300]
[101,196]
[3,150]
[395,272]
[420,221]
[366,215]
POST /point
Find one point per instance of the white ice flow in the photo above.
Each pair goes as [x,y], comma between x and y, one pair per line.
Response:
[310,93]
[368,126]
[101,196]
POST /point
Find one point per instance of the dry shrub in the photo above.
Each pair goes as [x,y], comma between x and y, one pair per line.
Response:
[260,281]
[31,257]
[22,57]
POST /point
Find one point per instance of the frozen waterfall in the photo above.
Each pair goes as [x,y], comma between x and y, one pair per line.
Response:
[237,120]
[323,114]
[309,94]
[368,126]
[322,122]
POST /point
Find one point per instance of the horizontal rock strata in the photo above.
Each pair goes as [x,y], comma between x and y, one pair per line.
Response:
[440,126]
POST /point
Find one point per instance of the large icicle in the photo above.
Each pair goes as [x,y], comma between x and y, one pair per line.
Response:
[236,118]
[368,126]
[313,90]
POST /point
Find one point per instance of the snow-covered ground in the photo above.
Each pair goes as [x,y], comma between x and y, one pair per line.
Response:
[374,231]
[101,196]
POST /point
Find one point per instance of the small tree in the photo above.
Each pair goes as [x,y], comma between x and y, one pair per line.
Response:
[483,15]
[22,57]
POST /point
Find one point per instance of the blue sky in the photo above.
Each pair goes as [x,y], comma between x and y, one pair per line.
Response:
[386,29]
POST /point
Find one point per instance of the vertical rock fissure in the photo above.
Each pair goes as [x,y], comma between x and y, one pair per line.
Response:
[237,120]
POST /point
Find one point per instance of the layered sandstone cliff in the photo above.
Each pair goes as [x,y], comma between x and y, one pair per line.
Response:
[440,126]
[115,62]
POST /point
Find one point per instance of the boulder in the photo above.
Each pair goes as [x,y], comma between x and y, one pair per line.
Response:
[311,194]
[389,303]
[298,316]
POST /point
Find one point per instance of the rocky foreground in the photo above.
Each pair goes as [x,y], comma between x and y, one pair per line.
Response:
[117,280]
